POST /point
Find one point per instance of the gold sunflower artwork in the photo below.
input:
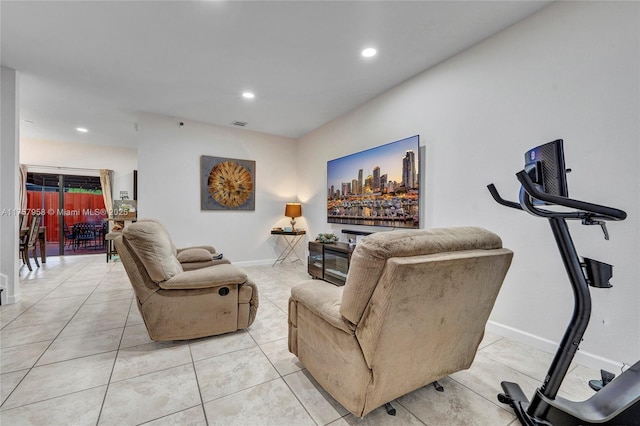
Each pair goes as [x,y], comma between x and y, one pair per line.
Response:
[227,183]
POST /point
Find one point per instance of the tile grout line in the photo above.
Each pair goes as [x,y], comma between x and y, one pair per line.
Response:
[293,372]
[48,346]
[57,335]
[281,377]
[115,359]
[195,373]
[278,283]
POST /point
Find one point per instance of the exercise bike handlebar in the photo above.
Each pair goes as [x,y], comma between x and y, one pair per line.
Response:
[496,196]
[596,211]
[593,211]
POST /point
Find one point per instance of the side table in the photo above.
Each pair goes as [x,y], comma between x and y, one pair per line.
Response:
[111,250]
[289,250]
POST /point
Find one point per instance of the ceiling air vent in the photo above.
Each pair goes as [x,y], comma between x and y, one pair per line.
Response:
[239,123]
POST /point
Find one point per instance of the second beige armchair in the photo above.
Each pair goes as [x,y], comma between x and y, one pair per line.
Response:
[413,310]
[177,303]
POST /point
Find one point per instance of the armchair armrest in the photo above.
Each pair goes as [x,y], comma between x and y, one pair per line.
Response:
[212,276]
[211,249]
[199,257]
[323,299]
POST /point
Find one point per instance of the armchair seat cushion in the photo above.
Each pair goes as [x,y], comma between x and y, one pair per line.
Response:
[212,276]
[323,299]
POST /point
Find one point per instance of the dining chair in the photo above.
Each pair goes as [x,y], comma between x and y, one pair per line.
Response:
[29,241]
[69,237]
[83,232]
[24,221]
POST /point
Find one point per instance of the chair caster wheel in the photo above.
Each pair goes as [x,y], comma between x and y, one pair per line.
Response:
[390,409]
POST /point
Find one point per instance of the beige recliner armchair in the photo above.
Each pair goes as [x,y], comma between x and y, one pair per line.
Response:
[413,310]
[179,304]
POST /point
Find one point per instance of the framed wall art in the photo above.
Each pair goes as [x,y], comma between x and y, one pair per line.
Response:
[227,184]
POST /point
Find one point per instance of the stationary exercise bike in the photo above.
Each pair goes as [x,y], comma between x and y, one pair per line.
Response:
[543,182]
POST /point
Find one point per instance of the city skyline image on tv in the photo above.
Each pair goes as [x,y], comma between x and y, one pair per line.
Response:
[376,187]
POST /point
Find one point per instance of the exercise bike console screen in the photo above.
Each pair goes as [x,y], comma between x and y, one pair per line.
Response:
[545,166]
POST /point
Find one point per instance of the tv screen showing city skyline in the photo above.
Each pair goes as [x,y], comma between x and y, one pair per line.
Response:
[376,187]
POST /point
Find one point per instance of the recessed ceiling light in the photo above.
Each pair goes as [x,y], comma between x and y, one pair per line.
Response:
[248,95]
[81,129]
[369,52]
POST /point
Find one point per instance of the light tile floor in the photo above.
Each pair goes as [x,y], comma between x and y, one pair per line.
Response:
[74,351]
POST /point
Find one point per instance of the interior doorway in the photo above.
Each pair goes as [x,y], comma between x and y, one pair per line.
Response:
[74,212]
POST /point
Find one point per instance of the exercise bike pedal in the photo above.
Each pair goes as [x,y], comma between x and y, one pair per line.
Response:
[607,377]
[512,394]
[504,399]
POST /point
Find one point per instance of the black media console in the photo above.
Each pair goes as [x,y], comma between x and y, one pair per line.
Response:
[330,261]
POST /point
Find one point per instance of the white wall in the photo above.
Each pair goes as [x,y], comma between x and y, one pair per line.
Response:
[571,71]
[169,185]
[9,204]
[123,161]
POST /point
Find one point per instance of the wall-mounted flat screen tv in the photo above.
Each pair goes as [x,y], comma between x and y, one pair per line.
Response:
[376,187]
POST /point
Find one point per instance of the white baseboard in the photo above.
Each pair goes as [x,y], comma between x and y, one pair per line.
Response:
[7,299]
[583,358]
[255,262]
[3,285]
[265,262]
[10,300]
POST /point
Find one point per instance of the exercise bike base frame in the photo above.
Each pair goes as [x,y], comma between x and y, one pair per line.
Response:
[618,403]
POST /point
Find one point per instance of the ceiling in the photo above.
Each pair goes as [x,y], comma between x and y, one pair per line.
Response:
[98,64]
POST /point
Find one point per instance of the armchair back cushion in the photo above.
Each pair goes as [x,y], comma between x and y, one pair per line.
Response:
[370,258]
[146,219]
[426,318]
[154,248]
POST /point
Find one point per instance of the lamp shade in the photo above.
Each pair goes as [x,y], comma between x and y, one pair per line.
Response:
[293,210]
